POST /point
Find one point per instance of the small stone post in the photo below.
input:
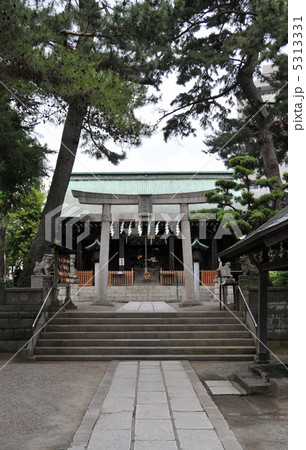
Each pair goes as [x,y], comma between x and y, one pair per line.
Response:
[196,270]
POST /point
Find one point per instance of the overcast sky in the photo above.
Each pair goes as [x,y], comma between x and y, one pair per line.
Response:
[154,154]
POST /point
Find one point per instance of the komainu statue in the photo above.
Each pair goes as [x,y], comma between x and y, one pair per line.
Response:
[248,269]
[43,267]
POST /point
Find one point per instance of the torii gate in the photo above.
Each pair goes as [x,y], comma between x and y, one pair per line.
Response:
[145,210]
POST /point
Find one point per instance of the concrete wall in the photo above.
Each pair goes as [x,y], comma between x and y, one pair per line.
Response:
[277,308]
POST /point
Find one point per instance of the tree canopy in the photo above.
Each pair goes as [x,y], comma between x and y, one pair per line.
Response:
[67,64]
[22,165]
[21,226]
[236,196]
[218,53]
[50,62]
[22,158]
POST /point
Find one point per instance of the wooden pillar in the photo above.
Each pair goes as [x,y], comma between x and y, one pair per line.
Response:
[79,261]
[262,353]
[104,257]
[171,252]
[214,251]
[187,258]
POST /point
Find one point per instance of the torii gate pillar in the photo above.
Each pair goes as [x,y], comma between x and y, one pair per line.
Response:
[190,299]
[104,257]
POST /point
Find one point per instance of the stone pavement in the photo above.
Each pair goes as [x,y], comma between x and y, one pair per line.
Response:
[146,307]
[148,405]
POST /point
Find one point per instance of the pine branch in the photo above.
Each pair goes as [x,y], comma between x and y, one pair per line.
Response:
[211,99]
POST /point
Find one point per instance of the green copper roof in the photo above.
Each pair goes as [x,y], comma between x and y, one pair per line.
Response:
[94,246]
[196,243]
[138,183]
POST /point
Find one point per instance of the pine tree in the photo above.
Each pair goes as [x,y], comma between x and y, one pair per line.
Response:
[248,211]
[77,65]
[218,54]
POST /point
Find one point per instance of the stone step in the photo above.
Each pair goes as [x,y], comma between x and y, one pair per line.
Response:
[253,384]
[143,342]
[189,357]
[146,334]
[147,350]
[93,335]
[126,315]
[148,327]
[142,320]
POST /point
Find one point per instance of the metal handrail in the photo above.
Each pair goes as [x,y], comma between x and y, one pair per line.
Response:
[42,308]
[247,306]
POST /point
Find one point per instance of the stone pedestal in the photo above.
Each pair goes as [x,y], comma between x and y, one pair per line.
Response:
[44,282]
[248,284]
[68,303]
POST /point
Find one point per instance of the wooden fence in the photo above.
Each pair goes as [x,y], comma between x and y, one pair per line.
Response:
[117,278]
[208,277]
[126,277]
[171,277]
[85,277]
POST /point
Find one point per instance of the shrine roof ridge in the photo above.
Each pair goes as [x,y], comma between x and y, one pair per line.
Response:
[161,173]
[100,198]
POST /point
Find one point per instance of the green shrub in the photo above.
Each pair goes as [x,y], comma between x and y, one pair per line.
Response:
[279,278]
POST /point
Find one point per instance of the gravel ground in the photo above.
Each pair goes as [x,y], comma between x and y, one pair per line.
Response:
[259,422]
[42,404]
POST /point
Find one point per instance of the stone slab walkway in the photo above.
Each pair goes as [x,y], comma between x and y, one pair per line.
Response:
[146,307]
[153,405]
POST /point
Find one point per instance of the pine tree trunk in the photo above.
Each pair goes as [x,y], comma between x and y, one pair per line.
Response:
[267,148]
[69,145]
[66,157]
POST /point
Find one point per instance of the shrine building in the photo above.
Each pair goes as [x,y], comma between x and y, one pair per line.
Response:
[137,228]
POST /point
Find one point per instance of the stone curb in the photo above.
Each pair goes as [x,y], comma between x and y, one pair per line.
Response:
[226,436]
[83,434]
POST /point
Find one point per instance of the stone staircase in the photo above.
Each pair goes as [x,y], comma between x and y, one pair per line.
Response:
[136,293]
[198,335]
